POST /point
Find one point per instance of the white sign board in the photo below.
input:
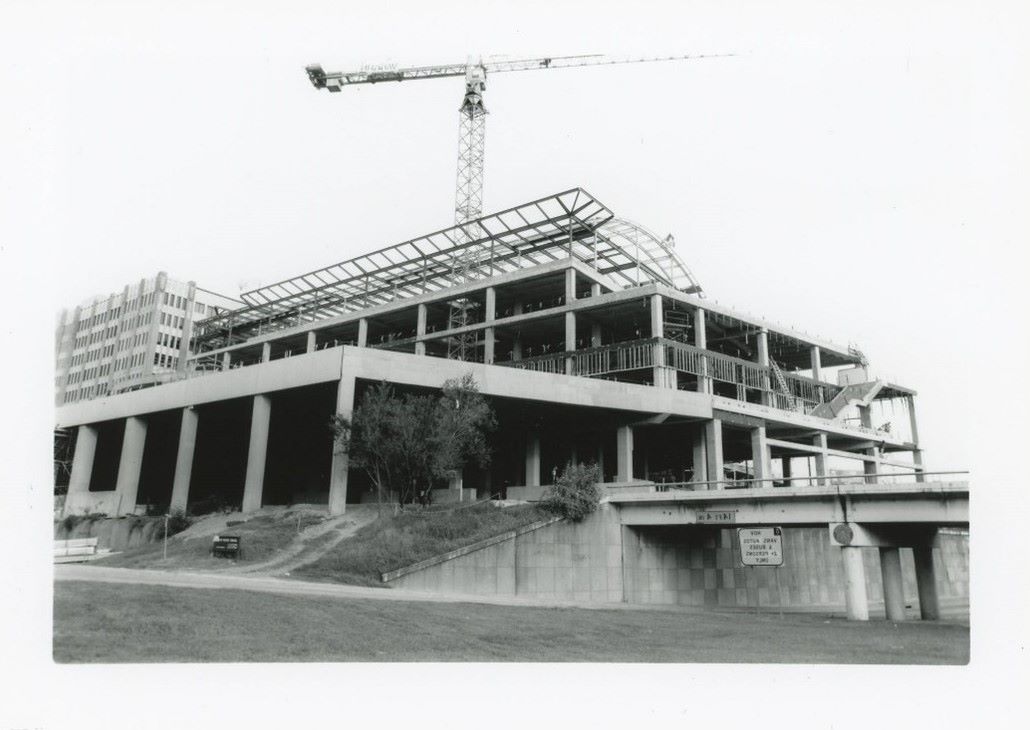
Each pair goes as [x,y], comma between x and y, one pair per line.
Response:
[761,546]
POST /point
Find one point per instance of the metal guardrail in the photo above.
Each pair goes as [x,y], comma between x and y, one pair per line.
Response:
[828,480]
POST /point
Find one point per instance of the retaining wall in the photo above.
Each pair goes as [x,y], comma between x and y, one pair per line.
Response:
[115,533]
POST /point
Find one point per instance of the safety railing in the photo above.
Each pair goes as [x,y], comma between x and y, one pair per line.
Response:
[829,480]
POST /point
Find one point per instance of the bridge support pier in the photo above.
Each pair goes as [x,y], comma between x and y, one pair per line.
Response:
[893,587]
[624,453]
[926,583]
[533,460]
[855,597]
[254,482]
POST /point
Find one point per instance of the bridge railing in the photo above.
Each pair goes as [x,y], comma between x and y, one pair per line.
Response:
[928,477]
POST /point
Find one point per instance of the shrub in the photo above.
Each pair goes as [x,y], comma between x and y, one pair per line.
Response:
[178,521]
[574,494]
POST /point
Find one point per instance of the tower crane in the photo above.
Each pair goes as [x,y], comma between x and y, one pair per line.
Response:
[468,204]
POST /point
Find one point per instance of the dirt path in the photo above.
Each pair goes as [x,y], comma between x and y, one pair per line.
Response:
[310,545]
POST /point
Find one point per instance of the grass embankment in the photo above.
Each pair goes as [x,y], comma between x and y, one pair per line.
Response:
[261,537]
[414,535]
[144,623]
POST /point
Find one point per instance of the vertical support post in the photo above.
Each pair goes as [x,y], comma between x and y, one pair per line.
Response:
[595,334]
[266,351]
[595,290]
[420,329]
[704,381]
[624,454]
[700,458]
[926,582]
[82,465]
[491,304]
[893,588]
[226,360]
[816,358]
[130,463]
[310,342]
[760,456]
[917,454]
[570,285]
[855,597]
[819,440]
[533,460]
[662,376]
[489,343]
[763,361]
[713,449]
[184,459]
[341,460]
[787,470]
[363,332]
[254,482]
[570,338]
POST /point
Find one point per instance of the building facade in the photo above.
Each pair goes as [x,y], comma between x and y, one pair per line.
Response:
[130,339]
[594,343]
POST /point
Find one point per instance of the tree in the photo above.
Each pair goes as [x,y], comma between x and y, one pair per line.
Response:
[406,443]
[574,494]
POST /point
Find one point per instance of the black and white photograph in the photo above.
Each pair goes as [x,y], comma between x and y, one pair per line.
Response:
[593,363]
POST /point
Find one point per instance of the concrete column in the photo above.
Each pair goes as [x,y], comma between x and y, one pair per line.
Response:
[455,483]
[704,382]
[855,597]
[488,346]
[570,338]
[917,459]
[341,461]
[787,470]
[893,588]
[420,329]
[763,360]
[226,360]
[662,377]
[595,334]
[533,460]
[266,351]
[624,454]
[821,458]
[363,332]
[184,459]
[311,342]
[760,456]
[926,583]
[491,304]
[871,467]
[82,465]
[815,354]
[254,483]
[130,463]
[516,346]
[700,458]
[713,452]
[917,454]
[570,285]
[595,289]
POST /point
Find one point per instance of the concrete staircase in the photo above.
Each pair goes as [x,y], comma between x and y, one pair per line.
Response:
[859,394]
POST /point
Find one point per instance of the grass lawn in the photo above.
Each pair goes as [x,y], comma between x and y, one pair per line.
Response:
[106,622]
[261,538]
[414,535]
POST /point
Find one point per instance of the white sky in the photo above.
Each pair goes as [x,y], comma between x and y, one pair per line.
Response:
[853,171]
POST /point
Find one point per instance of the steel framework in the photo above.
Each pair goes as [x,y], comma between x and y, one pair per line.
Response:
[568,224]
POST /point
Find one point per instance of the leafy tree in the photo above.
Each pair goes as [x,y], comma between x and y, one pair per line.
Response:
[574,494]
[406,443]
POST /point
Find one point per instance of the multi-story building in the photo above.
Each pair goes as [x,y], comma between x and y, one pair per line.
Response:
[593,342]
[130,339]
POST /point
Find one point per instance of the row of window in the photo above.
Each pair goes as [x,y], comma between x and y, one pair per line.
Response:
[171,320]
[165,361]
[112,314]
[166,340]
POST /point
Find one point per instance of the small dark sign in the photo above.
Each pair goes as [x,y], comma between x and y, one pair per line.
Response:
[226,546]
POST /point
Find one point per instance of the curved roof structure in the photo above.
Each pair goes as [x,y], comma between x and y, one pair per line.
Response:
[657,259]
[570,224]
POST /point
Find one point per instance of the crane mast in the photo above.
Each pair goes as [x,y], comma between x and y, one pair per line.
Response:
[468,202]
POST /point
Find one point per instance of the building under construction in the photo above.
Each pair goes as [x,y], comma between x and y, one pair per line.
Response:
[594,343]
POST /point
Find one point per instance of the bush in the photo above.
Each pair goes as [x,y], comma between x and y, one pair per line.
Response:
[574,494]
[178,521]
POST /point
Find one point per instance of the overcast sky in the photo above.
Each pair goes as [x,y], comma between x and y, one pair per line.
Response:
[830,176]
[857,171]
